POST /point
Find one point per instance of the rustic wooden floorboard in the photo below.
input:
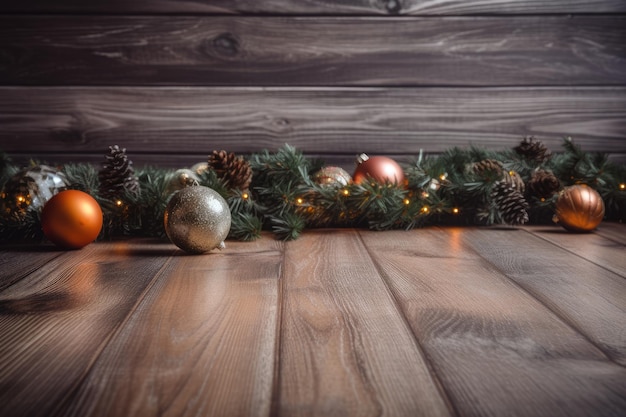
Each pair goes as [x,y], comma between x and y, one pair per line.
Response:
[17,261]
[590,298]
[345,347]
[497,350]
[432,322]
[600,249]
[54,322]
[201,342]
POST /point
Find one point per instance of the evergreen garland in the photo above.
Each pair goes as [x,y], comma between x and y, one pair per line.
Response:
[460,186]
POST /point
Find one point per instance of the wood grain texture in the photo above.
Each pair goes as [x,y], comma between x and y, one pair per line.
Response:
[201,342]
[589,297]
[344,121]
[614,231]
[222,50]
[345,349]
[17,261]
[603,251]
[321,7]
[488,338]
[55,321]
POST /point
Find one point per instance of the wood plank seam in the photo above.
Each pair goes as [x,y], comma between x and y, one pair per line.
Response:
[559,316]
[275,397]
[574,253]
[443,391]
[59,410]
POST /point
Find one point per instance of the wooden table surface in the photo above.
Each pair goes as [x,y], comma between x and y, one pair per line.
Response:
[432,322]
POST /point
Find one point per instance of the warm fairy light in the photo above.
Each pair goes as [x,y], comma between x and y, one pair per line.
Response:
[299,200]
[424,209]
[425,194]
[455,210]
[20,199]
[512,173]
[407,201]
[443,176]
[119,203]
[345,192]
[245,196]
[622,186]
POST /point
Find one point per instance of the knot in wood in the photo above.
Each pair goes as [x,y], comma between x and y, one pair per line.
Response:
[392,6]
[226,44]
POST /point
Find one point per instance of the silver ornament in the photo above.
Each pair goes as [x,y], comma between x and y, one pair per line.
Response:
[180,179]
[31,188]
[197,219]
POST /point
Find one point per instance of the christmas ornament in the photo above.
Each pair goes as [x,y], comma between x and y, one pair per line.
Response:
[233,170]
[197,219]
[200,168]
[71,219]
[510,203]
[330,176]
[579,208]
[117,176]
[31,187]
[379,168]
[180,179]
[533,150]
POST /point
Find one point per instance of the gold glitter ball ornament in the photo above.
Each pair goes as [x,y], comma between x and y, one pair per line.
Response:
[197,219]
[579,208]
[331,176]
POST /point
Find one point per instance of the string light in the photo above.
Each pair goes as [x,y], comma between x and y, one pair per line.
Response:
[455,210]
[119,203]
[407,201]
[299,201]
[622,186]
[21,199]
[512,173]
[424,209]
[443,176]
[345,192]
[245,196]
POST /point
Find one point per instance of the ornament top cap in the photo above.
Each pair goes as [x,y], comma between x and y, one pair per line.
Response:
[360,158]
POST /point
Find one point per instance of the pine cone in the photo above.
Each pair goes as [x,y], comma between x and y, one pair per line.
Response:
[515,180]
[533,150]
[543,184]
[488,169]
[510,203]
[234,171]
[117,176]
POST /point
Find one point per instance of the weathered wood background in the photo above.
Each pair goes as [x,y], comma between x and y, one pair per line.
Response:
[171,81]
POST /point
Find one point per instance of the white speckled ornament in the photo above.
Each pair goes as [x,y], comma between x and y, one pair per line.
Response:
[197,219]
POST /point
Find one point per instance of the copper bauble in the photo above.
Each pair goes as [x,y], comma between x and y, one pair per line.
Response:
[197,219]
[579,208]
[71,219]
[379,168]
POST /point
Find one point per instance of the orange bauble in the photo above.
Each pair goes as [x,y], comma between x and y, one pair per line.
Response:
[380,168]
[71,219]
[579,208]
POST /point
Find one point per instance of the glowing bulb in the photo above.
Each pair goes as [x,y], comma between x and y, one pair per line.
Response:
[407,201]
[443,176]
[424,209]
[622,186]
[346,192]
[299,201]
[425,194]
[119,203]
[455,210]
[245,196]
[20,199]
[512,173]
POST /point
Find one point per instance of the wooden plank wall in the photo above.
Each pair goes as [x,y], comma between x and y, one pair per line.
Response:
[171,81]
